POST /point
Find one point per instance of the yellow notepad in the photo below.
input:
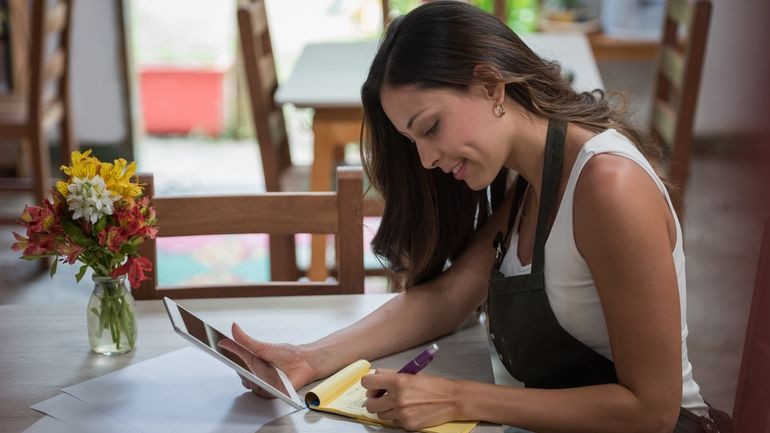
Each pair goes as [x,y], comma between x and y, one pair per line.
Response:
[343,394]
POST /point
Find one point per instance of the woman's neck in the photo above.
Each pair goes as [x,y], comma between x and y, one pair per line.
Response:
[527,146]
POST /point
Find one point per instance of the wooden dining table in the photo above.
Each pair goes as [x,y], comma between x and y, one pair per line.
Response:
[45,348]
[328,77]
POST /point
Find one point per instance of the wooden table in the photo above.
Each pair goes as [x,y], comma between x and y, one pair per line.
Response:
[45,349]
[610,48]
[328,78]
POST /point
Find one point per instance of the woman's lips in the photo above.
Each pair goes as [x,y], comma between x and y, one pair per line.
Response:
[458,171]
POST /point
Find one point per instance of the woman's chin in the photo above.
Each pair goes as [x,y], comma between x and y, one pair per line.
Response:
[476,186]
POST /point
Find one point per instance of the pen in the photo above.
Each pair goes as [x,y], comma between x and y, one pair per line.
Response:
[416,365]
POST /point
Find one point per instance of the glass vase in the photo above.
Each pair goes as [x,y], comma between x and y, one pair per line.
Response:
[111,317]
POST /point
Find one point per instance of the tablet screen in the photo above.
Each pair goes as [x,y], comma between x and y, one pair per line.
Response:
[207,338]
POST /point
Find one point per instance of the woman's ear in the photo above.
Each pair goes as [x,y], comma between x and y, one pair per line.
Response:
[492,81]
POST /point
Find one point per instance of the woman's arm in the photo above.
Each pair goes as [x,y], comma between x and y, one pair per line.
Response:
[623,230]
[414,316]
[418,314]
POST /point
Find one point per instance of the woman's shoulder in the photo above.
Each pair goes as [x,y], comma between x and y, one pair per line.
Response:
[617,193]
[613,166]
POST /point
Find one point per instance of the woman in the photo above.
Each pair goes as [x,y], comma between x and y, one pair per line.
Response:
[590,317]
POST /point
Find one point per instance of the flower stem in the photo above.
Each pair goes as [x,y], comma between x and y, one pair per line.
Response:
[116,314]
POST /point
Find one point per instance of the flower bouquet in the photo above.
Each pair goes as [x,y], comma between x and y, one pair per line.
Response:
[99,218]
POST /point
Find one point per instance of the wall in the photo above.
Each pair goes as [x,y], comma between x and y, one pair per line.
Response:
[729,101]
[97,97]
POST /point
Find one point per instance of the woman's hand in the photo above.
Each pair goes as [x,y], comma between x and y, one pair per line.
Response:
[412,401]
[292,360]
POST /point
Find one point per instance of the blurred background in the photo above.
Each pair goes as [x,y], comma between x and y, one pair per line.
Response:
[162,82]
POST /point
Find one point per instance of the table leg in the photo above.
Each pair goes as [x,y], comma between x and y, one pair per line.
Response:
[333,129]
[320,180]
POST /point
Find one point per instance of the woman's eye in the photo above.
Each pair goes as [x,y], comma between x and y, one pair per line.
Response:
[432,131]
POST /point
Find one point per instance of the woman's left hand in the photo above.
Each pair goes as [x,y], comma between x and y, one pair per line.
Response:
[412,401]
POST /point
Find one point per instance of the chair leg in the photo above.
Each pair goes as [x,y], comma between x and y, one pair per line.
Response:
[41,164]
[323,154]
[68,143]
[41,174]
[339,154]
[283,258]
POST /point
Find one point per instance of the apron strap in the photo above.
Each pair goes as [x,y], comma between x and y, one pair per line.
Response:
[552,165]
[500,244]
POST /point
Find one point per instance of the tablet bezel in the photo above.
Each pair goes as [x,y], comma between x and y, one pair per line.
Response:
[173,315]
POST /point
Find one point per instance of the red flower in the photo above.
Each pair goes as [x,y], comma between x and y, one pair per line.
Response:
[40,219]
[113,238]
[22,243]
[135,267]
[149,232]
[129,219]
[38,244]
[71,250]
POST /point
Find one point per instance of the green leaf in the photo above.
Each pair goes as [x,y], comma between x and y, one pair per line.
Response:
[81,273]
[100,225]
[128,249]
[53,266]
[34,257]
[74,232]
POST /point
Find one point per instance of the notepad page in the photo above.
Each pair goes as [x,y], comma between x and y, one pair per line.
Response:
[331,388]
[349,401]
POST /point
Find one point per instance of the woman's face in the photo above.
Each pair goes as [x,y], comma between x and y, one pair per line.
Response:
[454,131]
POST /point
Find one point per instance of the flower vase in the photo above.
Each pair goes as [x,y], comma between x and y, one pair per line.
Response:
[111,317]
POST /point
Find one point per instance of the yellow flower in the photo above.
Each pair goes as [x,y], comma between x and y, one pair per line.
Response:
[116,176]
[62,187]
[83,165]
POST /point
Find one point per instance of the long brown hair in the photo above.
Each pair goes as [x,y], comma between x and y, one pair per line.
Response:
[429,217]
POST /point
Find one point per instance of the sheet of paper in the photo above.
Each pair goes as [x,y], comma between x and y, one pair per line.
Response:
[85,417]
[185,390]
[49,424]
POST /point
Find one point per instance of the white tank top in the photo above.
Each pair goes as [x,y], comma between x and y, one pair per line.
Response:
[569,285]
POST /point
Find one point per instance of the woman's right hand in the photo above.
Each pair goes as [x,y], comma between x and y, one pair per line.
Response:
[292,360]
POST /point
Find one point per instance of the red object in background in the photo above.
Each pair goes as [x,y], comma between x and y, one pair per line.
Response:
[181,100]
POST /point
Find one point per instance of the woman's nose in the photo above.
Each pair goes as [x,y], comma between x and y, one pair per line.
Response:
[429,156]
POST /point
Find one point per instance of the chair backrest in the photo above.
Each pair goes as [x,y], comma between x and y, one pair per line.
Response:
[262,82]
[680,62]
[751,412]
[49,68]
[339,213]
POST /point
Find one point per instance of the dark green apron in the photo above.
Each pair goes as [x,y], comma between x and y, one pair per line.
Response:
[531,343]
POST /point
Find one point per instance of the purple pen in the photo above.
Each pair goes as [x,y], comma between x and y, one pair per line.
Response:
[416,365]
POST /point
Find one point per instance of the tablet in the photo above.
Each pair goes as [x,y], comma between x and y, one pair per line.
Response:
[205,337]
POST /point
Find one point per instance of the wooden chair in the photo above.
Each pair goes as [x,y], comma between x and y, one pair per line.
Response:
[280,173]
[680,62]
[751,412]
[269,124]
[33,111]
[273,213]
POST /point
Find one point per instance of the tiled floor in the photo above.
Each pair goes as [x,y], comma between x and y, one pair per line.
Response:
[722,238]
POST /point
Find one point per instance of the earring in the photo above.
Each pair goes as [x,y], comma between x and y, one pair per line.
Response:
[499,110]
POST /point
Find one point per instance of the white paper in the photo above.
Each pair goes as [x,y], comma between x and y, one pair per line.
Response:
[48,424]
[185,390]
[85,417]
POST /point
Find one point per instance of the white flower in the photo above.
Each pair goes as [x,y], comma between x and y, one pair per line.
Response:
[90,198]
